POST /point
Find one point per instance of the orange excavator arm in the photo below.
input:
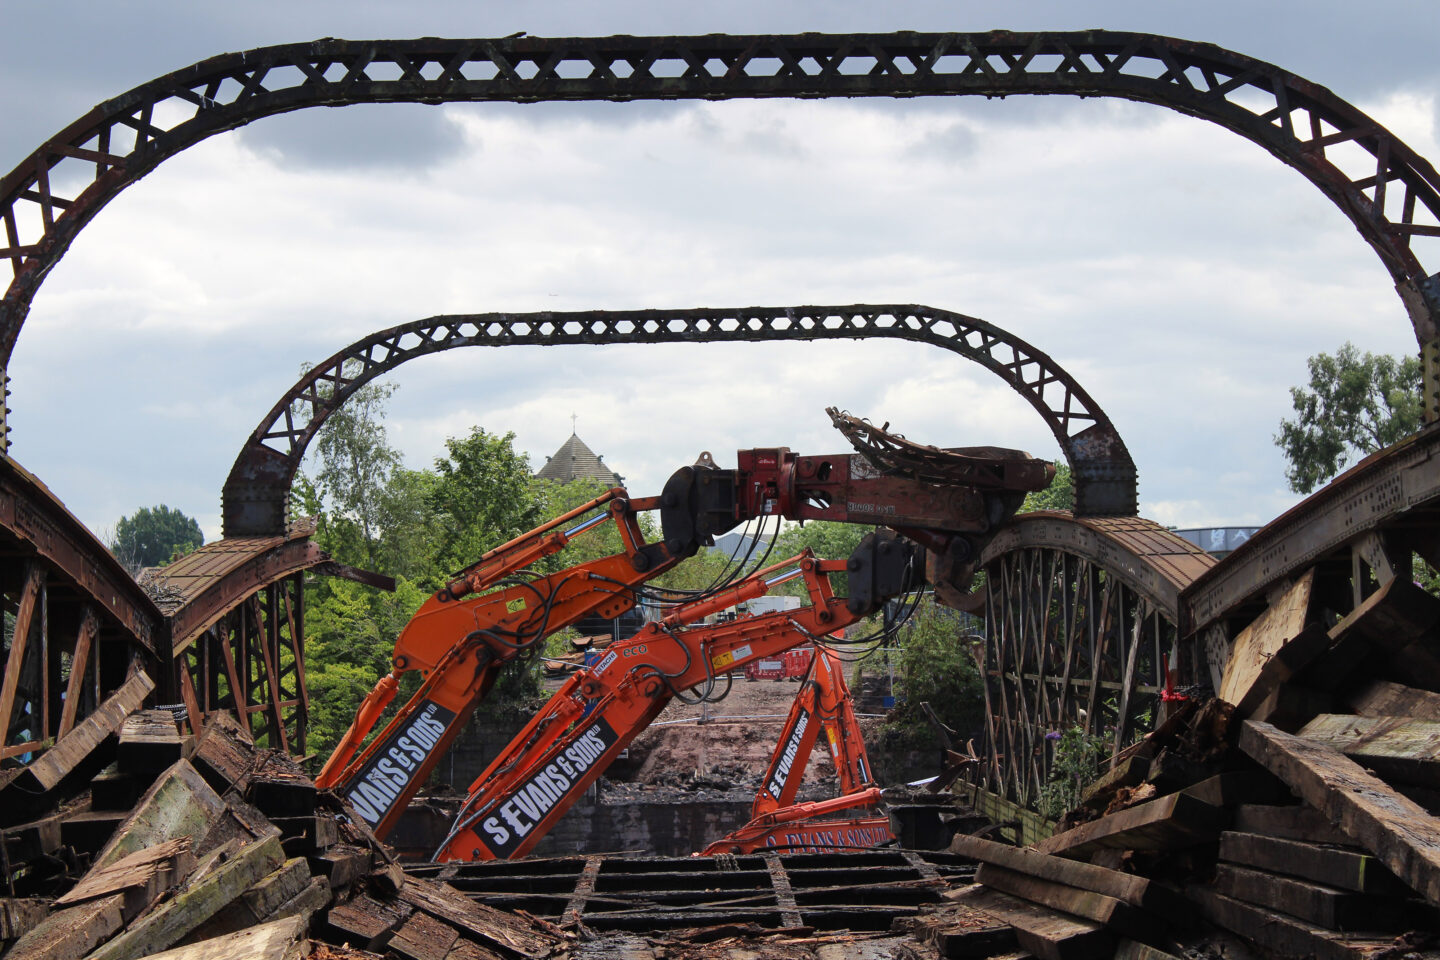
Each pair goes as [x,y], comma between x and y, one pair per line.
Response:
[823,703]
[563,749]
[495,611]
[460,645]
[811,828]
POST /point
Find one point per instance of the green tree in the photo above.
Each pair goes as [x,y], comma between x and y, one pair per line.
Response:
[553,498]
[355,466]
[153,536]
[482,497]
[829,540]
[1356,403]
[935,664]
[1060,495]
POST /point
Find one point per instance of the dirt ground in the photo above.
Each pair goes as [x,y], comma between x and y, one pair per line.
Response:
[726,746]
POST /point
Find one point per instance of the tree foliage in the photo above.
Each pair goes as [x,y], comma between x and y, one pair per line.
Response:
[830,541]
[153,536]
[482,497]
[418,526]
[355,468]
[1356,403]
[935,664]
[1060,495]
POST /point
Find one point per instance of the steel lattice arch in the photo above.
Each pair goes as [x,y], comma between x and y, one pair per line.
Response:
[257,491]
[1389,192]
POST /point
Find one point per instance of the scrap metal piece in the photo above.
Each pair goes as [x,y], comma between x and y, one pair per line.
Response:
[989,468]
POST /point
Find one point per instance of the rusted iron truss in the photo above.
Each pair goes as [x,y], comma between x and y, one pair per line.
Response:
[251,662]
[1358,532]
[1080,624]
[258,487]
[202,586]
[1079,610]
[78,622]
[1390,193]
[74,618]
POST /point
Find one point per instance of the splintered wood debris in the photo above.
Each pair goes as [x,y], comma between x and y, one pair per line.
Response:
[1275,823]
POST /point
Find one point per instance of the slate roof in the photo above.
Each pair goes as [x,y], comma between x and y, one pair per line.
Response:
[575,461]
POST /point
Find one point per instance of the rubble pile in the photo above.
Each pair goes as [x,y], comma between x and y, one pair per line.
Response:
[1298,823]
[128,839]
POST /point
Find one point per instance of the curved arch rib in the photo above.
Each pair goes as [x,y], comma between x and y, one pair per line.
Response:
[258,487]
[1081,618]
[1392,196]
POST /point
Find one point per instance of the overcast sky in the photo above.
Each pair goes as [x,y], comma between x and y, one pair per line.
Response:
[1179,272]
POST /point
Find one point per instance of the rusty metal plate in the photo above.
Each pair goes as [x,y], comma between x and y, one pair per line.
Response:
[1144,555]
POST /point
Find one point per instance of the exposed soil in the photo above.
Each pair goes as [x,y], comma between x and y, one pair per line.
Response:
[723,748]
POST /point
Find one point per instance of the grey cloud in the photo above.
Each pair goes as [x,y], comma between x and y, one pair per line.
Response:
[954,144]
[389,136]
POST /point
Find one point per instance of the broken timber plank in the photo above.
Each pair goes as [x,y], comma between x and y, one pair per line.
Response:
[224,754]
[1313,902]
[87,831]
[314,898]
[1134,950]
[1238,786]
[366,918]
[1044,933]
[1125,773]
[141,877]
[486,923]
[423,938]
[1286,935]
[281,940]
[1399,747]
[1126,887]
[1296,822]
[149,743]
[1290,706]
[1328,865]
[281,793]
[1397,830]
[18,916]
[1172,821]
[465,950]
[178,804]
[259,903]
[1381,698]
[1387,621]
[72,933]
[341,864]
[1115,914]
[1256,664]
[305,835]
[30,841]
[112,790]
[168,923]
[70,751]
[969,936]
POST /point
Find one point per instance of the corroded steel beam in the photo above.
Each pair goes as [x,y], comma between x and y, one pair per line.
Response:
[1149,559]
[1397,488]
[34,523]
[210,582]
[258,489]
[1389,192]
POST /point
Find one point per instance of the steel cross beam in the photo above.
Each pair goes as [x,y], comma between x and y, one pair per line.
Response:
[258,488]
[1388,191]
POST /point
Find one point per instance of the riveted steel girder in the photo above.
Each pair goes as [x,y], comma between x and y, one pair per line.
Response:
[1389,192]
[258,488]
